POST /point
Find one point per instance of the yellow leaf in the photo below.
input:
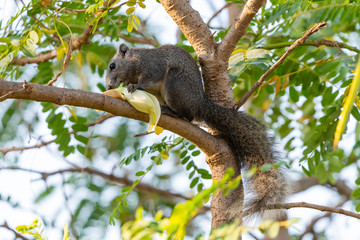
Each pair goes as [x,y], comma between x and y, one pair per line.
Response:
[239,50]
[73,113]
[139,213]
[136,19]
[158,130]
[60,54]
[66,233]
[34,36]
[130,3]
[21,228]
[274,229]
[129,27]
[158,215]
[164,155]
[130,10]
[141,5]
[15,42]
[349,102]
[79,58]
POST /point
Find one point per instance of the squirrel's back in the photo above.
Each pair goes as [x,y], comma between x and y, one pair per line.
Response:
[171,74]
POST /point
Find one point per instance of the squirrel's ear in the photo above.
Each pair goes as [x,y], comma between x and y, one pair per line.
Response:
[123,49]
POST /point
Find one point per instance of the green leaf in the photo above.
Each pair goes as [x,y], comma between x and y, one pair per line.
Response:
[357,181]
[191,174]
[44,194]
[81,138]
[126,189]
[266,167]
[194,182]
[5,40]
[191,147]
[357,207]
[80,127]
[185,160]
[306,171]
[140,173]
[196,153]
[356,193]
[183,154]
[355,113]
[200,187]
[190,164]
[294,95]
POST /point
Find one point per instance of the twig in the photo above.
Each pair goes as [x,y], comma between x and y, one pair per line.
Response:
[142,134]
[50,83]
[17,235]
[316,43]
[109,177]
[6,150]
[306,205]
[84,10]
[238,29]
[218,12]
[298,42]
[75,45]
[310,227]
[143,40]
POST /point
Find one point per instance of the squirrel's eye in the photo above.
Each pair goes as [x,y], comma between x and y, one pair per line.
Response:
[112,66]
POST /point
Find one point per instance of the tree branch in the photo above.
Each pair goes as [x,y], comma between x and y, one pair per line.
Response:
[238,29]
[209,144]
[306,205]
[310,227]
[191,24]
[316,43]
[17,235]
[298,42]
[109,177]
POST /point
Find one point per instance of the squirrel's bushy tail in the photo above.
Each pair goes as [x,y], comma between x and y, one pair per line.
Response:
[249,140]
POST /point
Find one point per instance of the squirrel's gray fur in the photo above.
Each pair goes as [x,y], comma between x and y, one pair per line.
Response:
[171,74]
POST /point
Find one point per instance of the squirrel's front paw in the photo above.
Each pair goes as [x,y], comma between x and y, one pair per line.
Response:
[131,87]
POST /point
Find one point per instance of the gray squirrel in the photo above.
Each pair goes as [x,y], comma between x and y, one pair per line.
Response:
[171,74]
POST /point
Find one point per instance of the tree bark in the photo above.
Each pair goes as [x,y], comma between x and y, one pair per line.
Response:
[213,58]
[209,144]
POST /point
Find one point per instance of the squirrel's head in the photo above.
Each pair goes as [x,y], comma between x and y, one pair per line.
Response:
[122,68]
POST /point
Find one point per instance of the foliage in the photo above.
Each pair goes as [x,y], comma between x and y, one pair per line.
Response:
[174,227]
[34,229]
[302,101]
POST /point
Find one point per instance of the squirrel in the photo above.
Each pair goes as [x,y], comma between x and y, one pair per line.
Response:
[172,75]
